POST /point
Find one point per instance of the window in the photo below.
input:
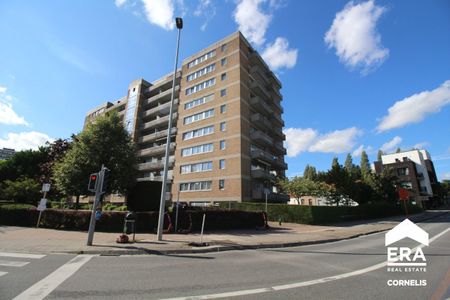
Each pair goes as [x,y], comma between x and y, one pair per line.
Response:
[201,86]
[195,186]
[222,164]
[223,47]
[201,72]
[223,76]
[202,58]
[221,184]
[223,126]
[198,167]
[200,116]
[222,145]
[197,150]
[223,108]
[402,171]
[199,101]
[223,92]
[223,62]
[198,132]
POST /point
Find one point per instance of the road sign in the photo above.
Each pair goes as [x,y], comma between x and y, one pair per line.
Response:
[403,194]
[46,187]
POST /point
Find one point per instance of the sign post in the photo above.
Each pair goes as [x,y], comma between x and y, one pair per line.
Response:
[43,203]
[404,196]
[99,189]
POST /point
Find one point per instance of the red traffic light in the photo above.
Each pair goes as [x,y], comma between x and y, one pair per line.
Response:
[93,177]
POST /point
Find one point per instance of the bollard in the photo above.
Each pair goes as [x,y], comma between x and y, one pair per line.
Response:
[203,226]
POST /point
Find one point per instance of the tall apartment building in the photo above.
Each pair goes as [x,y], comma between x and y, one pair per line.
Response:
[415,172]
[227,139]
[6,153]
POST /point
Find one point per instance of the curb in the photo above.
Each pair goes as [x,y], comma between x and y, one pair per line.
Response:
[231,247]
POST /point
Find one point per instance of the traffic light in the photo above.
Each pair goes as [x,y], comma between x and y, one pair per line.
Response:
[106,173]
[93,179]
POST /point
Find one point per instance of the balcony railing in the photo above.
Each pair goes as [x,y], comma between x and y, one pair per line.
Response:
[157,135]
[260,105]
[262,174]
[158,122]
[256,86]
[167,93]
[160,109]
[262,155]
[157,177]
[155,165]
[156,150]
[261,137]
[279,149]
[260,121]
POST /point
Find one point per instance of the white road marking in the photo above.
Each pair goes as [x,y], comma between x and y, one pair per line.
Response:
[41,289]
[299,284]
[3,273]
[21,255]
[7,263]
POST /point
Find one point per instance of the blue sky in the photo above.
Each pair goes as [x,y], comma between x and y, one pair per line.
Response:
[356,75]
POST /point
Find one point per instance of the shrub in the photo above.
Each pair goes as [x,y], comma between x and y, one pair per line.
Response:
[22,190]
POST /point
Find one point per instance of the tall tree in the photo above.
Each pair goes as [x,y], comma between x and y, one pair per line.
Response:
[348,165]
[310,172]
[335,162]
[298,187]
[365,165]
[103,142]
[379,154]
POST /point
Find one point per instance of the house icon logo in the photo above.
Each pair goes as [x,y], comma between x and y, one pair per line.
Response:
[405,256]
[406,229]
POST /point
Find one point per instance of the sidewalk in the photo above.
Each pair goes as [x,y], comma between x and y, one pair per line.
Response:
[22,239]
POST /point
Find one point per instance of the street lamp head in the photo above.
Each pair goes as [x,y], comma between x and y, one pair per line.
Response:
[179,22]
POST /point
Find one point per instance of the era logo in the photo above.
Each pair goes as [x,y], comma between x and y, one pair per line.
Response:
[404,256]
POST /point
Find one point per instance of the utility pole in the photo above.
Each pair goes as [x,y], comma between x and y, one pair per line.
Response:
[162,204]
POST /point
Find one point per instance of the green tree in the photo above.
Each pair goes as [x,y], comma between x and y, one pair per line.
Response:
[23,163]
[103,142]
[22,190]
[310,172]
[365,166]
[348,165]
[298,187]
[379,154]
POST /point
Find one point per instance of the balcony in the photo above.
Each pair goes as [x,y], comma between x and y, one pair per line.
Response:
[261,137]
[157,135]
[155,150]
[157,177]
[165,94]
[279,134]
[261,121]
[158,122]
[277,118]
[257,70]
[262,155]
[277,104]
[257,87]
[280,164]
[260,105]
[155,165]
[262,174]
[160,109]
[256,58]
[279,149]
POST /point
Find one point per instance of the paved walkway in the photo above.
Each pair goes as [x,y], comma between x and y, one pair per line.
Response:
[21,239]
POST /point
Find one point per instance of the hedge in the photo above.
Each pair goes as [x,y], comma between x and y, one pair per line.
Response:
[303,214]
[146,222]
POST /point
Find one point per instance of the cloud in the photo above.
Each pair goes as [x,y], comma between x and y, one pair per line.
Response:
[421,145]
[354,36]
[358,151]
[25,140]
[445,176]
[7,114]
[252,21]
[205,8]
[391,146]
[120,3]
[278,55]
[160,13]
[301,140]
[416,108]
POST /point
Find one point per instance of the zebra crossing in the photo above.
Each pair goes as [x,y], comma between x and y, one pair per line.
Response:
[8,260]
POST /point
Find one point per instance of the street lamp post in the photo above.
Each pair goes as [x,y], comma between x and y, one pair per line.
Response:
[179,23]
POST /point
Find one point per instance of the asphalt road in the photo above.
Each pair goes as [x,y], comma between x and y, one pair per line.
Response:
[351,269]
